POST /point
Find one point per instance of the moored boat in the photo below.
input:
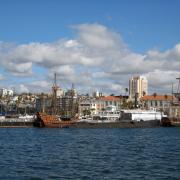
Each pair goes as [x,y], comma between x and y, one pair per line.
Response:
[141,115]
[51,121]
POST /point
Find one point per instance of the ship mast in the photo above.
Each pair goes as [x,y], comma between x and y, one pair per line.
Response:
[54,91]
[178,89]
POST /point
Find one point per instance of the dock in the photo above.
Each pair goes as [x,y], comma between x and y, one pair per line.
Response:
[15,122]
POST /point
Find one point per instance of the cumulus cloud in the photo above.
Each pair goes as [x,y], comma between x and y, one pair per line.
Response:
[98,36]
[96,58]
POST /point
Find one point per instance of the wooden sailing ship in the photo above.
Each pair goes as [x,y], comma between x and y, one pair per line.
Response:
[53,120]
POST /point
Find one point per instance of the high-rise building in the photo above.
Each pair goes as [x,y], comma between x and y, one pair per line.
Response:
[138,87]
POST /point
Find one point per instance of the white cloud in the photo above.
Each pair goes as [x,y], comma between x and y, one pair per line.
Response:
[22,89]
[1,77]
[98,36]
[23,69]
[97,58]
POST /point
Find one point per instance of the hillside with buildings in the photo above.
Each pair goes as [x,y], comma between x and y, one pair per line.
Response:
[69,103]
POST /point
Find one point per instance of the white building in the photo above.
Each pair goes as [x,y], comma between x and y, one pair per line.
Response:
[106,101]
[97,94]
[97,105]
[6,92]
[88,104]
[138,85]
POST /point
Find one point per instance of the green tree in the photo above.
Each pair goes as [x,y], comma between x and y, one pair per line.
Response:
[86,112]
[126,90]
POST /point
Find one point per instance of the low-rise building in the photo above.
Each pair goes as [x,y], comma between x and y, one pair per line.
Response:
[96,105]
[6,92]
[160,102]
[88,105]
[104,102]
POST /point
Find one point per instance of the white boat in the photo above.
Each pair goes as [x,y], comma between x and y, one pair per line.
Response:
[141,115]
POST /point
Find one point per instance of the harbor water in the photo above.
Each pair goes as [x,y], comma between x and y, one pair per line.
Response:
[138,153]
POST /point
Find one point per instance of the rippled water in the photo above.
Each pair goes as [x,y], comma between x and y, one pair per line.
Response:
[32,153]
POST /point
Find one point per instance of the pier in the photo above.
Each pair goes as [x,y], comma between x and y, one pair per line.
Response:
[16,122]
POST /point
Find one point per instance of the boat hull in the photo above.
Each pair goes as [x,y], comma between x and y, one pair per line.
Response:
[118,124]
[50,121]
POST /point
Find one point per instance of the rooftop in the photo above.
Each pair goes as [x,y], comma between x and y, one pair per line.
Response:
[158,97]
[110,98]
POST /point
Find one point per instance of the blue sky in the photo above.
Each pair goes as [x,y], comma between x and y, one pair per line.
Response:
[142,25]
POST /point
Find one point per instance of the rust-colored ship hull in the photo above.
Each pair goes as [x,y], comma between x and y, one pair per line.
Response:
[51,121]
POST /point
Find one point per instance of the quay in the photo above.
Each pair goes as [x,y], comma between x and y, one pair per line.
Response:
[24,123]
[15,123]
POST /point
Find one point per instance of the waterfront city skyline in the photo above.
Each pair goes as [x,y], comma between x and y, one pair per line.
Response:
[97,45]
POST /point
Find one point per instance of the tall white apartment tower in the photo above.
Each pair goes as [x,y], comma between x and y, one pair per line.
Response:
[138,85]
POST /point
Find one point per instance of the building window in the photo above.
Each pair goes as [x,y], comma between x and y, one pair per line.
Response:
[106,103]
[151,103]
[155,103]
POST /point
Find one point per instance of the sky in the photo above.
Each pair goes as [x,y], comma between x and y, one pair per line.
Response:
[97,45]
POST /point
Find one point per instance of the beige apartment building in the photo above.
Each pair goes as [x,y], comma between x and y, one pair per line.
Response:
[138,85]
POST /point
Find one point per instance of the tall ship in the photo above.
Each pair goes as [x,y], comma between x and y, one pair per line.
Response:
[55,117]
